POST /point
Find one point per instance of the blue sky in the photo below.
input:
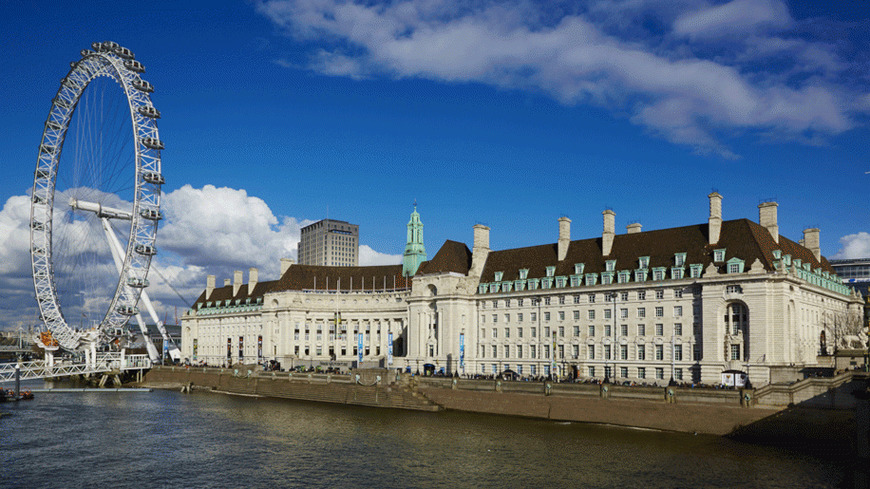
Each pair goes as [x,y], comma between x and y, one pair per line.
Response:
[510,114]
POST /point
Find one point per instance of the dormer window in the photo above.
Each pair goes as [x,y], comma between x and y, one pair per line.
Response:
[493,287]
[610,265]
[695,270]
[623,277]
[719,255]
[640,275]
[481,289]
[787,260]
[658,274]
[643,262]
[591,278]
[677,273]
[606,278]
[498,276]
[578,268]
[777,254]
[524,273]
[560,282]
[575,280]
[519,285]
[506,286]
[798,262]
[551,271]
[679,259]
[533,284]
[734,265]
[546,282]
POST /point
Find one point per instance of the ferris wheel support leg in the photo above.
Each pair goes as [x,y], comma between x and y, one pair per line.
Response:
[49,359]
[117,251]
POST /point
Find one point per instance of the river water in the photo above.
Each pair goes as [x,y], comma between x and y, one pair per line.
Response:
[168,439]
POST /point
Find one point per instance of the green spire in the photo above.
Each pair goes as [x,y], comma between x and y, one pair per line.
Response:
[415,252]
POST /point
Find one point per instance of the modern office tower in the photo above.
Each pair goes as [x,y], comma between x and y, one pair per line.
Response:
[329,242]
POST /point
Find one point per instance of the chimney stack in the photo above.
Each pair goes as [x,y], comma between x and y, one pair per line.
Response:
[767,218]
[811,242]
[285,265]
[227,282]
[564,236]
[609,232]
[481,249]
[633,228]
[715,217]
[209,286]
[253,275]
[237,282]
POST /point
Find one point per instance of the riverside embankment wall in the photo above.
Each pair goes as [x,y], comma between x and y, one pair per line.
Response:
[708,411]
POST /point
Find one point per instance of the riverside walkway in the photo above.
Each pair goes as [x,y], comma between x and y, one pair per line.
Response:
[104,363]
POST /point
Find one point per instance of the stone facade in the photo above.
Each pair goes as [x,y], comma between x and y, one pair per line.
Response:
[683,303]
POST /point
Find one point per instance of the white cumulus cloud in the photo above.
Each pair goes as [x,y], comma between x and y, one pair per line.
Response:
[679,79]
[854,246]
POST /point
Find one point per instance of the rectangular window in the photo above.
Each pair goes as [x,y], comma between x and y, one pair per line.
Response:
[495,318]
[533,316]
[591,314]
[547,332]
[607,331]
[519,332]
[641,372]
[494,333]
[660,352]
[561,299]
[623,313]
[507,318]
[623,330]
[546,301]
[696,353]
[591,371]
[660,311]
[519,317]
[660,294]
[561,352]
[576,351]
[678,293]
[576,331]
[507,332]
[482,333]
[561,315]
[678,374]
[678,329]
[546,351]
[641,352]
[607,352]
[561,331]
[607,314]
[577,299]
[623,372]
[591,330]
[495,304]
[546,316]
[592,298]
[590,352]
[507,352]
[641,295]
[519,351]
[532,370]
[678,311]
[623,353]
[735,352]
[534,332]
[641,312]
[660,373]
[678,353]
[494,351]
[641,329]
[660,329]
[520,302]
[533,351]
[734,268]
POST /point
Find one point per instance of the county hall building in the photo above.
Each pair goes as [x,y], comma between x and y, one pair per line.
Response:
[685,303]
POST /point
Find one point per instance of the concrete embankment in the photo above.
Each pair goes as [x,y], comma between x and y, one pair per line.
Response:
[703,411]
[369,390]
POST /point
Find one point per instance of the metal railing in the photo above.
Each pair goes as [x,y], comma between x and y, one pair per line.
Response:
[105,362]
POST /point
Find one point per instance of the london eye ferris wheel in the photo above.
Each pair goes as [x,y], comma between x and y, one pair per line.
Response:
[96,201]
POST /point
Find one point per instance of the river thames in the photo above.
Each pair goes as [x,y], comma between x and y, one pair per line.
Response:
[168,439]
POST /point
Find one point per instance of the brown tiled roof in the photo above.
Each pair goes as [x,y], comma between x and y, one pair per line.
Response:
[452,257]
[226,293]
[741,238]
[299,277]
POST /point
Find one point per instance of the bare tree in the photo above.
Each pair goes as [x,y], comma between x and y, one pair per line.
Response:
[846,330]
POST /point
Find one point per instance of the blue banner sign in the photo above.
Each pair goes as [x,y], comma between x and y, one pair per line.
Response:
[390,349]
[462,350]
[359,348]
